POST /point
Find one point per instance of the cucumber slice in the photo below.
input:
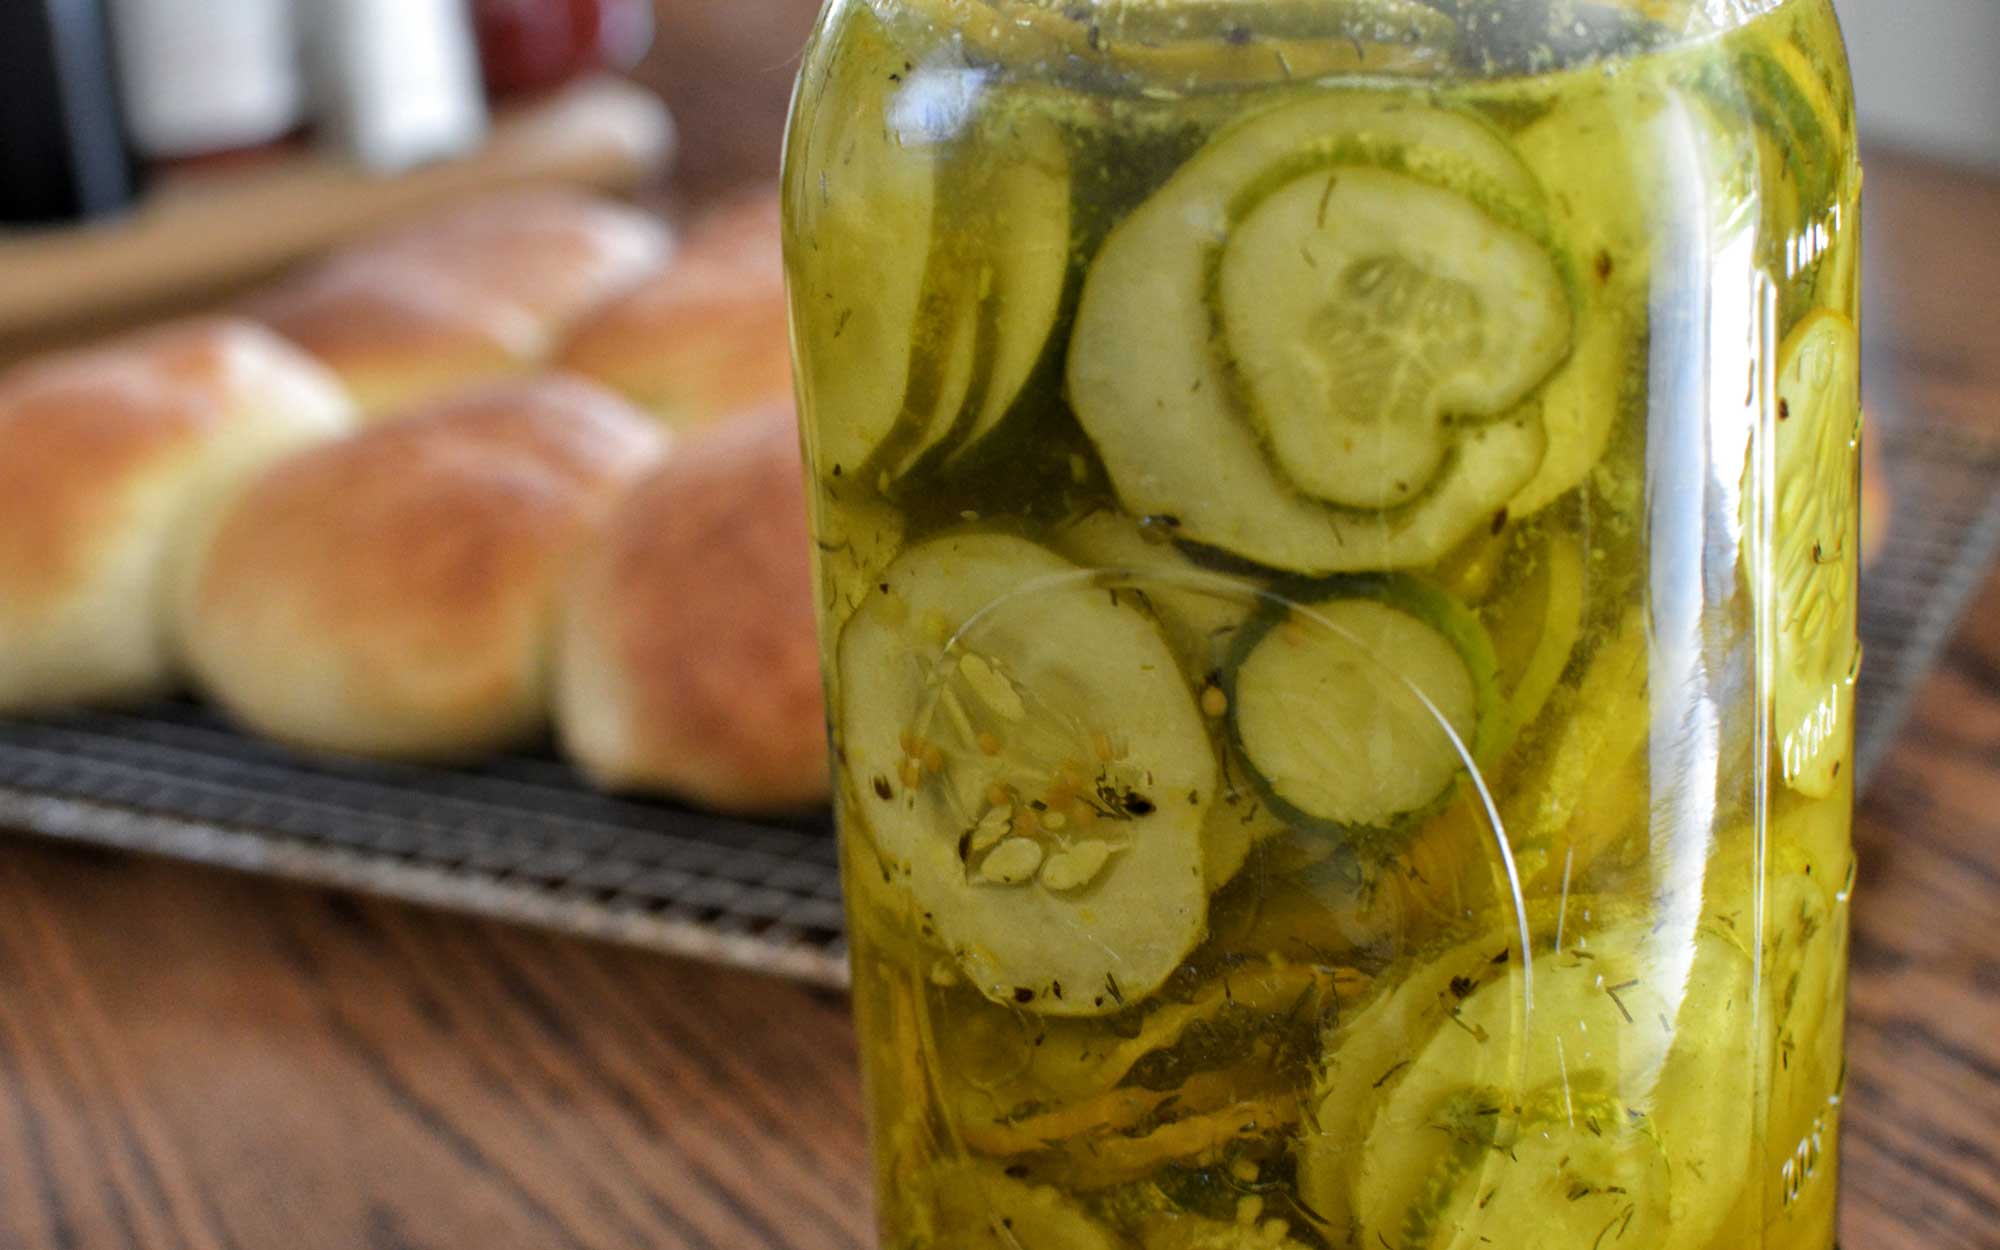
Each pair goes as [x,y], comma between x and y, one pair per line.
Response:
[1817,551]
[1570,803]
[1034,1085]
[1033,768]
[1806,946]
[857,535]
[944,374]
[1416,307]
[857,282]
[1174,413]
[924,291]
[1600,205]
[1799,117]
[996,279]
[1202,614]
[1578,1167]
[1020,201]
[1357,710]
[1537,621]
[1512,1125]
[1366,1058]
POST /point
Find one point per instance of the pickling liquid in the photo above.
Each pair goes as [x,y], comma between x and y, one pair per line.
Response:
[1338,549]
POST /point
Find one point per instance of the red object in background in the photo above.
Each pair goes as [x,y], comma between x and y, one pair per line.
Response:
[532,45]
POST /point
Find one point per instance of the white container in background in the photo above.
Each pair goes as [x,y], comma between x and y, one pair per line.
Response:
[203,76]
[395,83]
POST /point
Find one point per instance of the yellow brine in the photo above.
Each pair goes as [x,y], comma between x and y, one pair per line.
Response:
[1337,530]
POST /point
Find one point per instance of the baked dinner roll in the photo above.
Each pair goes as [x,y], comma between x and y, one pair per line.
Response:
[688,661]
[396,336]
[480,292]
[392,594]
[105,456]
[706,336]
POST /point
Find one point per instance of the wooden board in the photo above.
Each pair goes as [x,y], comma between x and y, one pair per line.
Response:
[209,231]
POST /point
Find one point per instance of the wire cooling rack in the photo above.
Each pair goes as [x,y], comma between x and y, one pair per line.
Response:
[519,837]
[1943,541]
[522,837]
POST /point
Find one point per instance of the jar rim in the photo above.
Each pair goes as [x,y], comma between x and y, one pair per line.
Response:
[1232,42]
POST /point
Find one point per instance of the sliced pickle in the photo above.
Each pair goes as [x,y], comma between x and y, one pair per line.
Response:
[1413,306]
[1038,1085]
[1570,804]
[1601,206]
[1184,1140]
[996,279]
[1203,613]
[857,281]
[1806,924]
[1357,710]
[1535,624]
[1817,551]
[857,536]
[1022,210]
[1255,369]
[944,372]
[1579,1167]
[927,302]
[1241,1038]
[1617,1099]
[1800,123]
[1366,1057]
[1034,767]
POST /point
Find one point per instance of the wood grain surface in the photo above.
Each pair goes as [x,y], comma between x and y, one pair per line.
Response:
[208,1061]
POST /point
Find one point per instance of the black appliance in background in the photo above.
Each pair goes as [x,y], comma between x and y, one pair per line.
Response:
[64,151]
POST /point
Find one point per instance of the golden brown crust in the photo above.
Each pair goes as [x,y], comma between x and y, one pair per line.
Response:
[479,293]
[693,620]
[707,336]
[564,425]
[104,456]
[69,450]
[390,594]
[76,428]
[552,253]
[398,336]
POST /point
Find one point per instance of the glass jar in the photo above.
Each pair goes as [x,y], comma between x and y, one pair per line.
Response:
[1337,530]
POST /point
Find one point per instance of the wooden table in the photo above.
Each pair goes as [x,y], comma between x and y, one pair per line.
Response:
[197,1061]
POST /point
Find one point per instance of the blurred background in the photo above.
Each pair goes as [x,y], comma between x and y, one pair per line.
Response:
[217,94]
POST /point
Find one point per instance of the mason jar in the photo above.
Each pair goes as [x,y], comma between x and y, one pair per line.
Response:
[1337,543]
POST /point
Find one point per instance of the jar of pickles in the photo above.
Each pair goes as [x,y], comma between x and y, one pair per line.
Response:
[1337,530]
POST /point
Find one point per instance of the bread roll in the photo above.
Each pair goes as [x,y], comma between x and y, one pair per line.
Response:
[705,337]
[481,292]
[392,594]
[688,661]
[105,457]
